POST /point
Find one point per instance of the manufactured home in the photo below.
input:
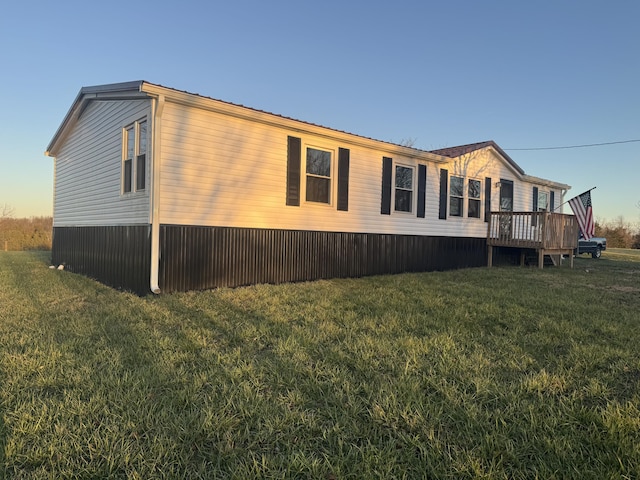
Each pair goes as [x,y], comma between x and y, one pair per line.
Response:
[161,190]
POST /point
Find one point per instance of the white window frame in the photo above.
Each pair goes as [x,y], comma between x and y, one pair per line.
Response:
[469,197]
[465,197]
[133,127]
[461,197]
[543,194]
[412,203]
[332,174]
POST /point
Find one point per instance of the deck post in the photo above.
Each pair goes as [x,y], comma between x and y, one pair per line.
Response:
[490,256]
[540,258]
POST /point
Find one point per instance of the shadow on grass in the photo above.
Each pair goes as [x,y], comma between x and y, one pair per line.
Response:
[83,365]
[240,384]
[3,437]
[301,405]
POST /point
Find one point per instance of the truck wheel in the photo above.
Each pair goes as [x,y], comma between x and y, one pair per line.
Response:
[597,253]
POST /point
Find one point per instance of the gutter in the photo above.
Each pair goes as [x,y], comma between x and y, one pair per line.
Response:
[157,107]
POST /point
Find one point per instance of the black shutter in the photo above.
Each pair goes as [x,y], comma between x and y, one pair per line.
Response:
[128,169]
[294,146]
[552,201]
[487,199]
[385,207]
[422,186]
[444,179]
[343,179]
[534,217]
[141,174]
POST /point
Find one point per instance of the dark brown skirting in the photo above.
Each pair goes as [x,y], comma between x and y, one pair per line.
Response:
[119,256]
[197,258]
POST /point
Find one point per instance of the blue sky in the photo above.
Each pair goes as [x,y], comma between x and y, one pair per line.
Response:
[524,74]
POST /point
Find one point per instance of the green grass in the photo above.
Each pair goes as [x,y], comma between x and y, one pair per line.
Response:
[622,254]
[503,373]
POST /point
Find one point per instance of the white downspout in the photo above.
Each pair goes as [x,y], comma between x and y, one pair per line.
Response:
[158,107]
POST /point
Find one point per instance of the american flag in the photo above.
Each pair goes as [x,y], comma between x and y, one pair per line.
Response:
[581,206]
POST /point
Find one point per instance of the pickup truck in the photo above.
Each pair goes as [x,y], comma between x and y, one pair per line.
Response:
[594,246]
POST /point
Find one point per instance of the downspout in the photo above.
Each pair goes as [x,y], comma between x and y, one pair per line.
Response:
[157,107]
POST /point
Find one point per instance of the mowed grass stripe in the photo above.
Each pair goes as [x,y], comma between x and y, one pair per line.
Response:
[490,373]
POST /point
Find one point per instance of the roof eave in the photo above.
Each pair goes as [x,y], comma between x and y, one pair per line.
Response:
[291,124]
[113,91]
[546,183]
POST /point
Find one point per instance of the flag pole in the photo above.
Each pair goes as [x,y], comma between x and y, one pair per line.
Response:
[586,191]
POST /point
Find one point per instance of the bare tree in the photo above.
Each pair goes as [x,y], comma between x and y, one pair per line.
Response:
[6,211]
[408,142]
[473,163]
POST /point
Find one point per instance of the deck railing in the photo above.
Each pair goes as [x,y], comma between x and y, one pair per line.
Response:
[539,230]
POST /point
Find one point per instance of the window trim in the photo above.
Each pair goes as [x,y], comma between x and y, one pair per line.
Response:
[130,180]
[461,197]
[470,198]
[332,174]
[395,188]
[546,193]
[465,198]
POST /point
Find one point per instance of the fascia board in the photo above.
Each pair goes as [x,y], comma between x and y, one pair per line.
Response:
[546,183]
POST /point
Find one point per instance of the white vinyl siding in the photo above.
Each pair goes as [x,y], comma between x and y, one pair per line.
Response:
[480,166]
[88,166]
[221,170]
[219,164]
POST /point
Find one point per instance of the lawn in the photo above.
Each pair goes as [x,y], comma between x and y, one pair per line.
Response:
[502,373]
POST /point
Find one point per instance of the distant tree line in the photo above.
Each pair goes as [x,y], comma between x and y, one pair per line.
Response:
[25,233]
[619,233]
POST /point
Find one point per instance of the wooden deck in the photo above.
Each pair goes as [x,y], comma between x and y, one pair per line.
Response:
[553,234]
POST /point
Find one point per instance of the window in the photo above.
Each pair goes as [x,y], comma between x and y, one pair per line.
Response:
[465,192]
[456,196]
[129,141]
[404,188]
[318,173]
[543,201]
[135,154]
[474,199]
[141,158]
